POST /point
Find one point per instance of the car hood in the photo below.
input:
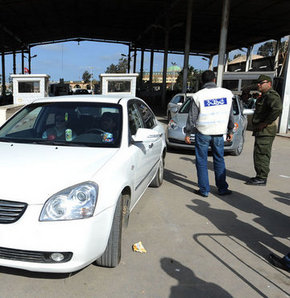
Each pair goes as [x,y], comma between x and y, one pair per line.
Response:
[32,173]
[180,119]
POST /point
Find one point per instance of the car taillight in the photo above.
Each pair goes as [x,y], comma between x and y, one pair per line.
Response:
[236,126]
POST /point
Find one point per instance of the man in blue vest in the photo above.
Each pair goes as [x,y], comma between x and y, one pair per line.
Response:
[210,117]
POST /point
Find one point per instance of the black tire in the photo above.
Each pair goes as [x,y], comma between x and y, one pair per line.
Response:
[112,255]
[240,147]
[158,178]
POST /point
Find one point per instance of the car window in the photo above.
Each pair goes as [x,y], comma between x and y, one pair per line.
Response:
[66,123]
[177,99]
[135,119]
[235,106]
[147,115]
[186,106]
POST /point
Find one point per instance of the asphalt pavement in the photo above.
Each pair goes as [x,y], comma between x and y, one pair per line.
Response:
[196,247]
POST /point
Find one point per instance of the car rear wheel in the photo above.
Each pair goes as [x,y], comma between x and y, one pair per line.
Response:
[158,179]
[112,255]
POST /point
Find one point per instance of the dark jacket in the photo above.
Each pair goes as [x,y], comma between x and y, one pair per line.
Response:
[268,109]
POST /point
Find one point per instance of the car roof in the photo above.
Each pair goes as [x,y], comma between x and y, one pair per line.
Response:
[84,98]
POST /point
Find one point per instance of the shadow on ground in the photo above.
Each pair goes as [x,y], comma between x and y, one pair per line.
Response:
[189,285]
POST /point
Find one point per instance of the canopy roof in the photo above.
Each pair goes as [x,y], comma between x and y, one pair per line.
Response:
[141,23]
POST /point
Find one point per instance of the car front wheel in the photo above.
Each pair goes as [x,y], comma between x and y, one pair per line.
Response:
[158,179]
[112,255]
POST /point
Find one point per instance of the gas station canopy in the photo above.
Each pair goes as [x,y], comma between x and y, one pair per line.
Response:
[141,23]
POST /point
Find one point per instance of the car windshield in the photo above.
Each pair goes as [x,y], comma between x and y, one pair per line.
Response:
[66,124]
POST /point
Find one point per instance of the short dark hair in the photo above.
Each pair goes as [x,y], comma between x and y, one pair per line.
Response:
[207,76]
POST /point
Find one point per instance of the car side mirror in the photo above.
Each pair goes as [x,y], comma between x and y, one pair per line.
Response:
[248,111]
[146,135]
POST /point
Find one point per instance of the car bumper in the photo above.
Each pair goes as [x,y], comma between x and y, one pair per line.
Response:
[85,239]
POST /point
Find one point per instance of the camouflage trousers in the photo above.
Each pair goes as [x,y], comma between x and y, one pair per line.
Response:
[262,155]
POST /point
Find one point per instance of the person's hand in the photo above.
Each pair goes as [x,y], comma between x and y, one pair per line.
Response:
[187,140]
[229,137]
[261,126]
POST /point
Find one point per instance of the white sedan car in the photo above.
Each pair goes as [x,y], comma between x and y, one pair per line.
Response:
[72,169]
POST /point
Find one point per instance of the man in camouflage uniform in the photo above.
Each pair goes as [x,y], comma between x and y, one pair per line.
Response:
[268,109]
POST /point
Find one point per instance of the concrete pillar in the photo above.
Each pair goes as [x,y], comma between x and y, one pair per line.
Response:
[226,62]
[223,41]
[187,45]
[277,52]
[210,63]
[283,126]
[249,58]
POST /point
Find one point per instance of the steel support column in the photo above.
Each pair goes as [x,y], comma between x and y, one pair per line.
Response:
[134,62]
[223,41]
[14,62]
[3,76]
[141,68]
[22,61]
[29,61]
[187,45]
[165,59]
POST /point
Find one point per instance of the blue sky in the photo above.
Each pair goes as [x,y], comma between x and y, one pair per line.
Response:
[69,60]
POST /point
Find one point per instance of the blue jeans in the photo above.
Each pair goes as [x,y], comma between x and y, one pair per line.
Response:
[201,153]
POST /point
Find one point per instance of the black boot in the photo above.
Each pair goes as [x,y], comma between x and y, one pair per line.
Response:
[279,262]
[257,181]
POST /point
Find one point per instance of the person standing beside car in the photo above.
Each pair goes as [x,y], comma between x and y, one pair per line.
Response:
[268,109]
[210,117]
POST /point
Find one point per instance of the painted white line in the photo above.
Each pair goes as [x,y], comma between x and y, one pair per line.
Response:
[283,176]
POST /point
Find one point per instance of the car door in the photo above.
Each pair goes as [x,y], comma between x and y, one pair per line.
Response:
[139,152]
[145,155]
[150,122]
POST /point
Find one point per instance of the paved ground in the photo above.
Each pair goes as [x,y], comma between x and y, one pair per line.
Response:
[196,247]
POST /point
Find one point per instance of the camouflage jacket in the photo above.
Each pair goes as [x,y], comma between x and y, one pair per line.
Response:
[268,109]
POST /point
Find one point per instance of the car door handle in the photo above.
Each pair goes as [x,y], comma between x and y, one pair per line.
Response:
[150,145]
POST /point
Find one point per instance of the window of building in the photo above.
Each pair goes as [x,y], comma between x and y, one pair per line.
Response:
[29,87]
[119,86]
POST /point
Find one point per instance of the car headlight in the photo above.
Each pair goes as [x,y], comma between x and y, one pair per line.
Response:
[76,202]
[172,124]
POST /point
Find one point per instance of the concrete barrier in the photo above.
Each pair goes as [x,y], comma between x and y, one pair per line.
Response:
[7,111]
